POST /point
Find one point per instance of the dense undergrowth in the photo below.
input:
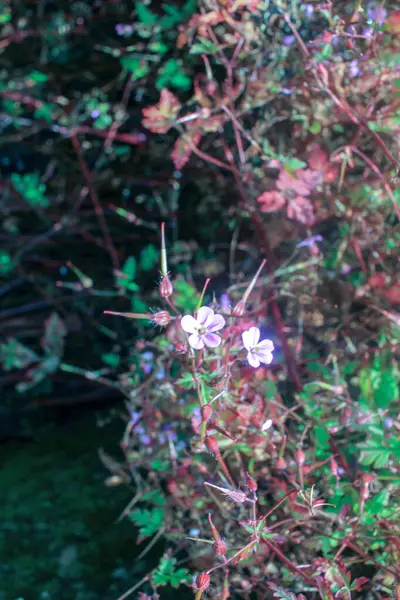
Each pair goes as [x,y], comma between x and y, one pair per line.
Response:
[265,136]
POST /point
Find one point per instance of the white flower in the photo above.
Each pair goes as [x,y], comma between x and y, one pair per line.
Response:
[257,352]
[203,328]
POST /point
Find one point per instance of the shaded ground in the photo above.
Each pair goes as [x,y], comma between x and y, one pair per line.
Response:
[58,536]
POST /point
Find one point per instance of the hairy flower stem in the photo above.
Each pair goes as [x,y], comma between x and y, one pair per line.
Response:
[199,594]
[225,469]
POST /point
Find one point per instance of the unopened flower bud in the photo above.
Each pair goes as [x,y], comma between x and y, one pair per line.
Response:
[251,484]
[211,444]
[202,581]
[166,289]
[162,318]
[206,412]
[219,548]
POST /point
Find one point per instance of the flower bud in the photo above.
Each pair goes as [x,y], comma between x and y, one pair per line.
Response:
[211,444]
[219,548]
[251,484]
[162,318]
[206,412]
[202,581]
[166,289]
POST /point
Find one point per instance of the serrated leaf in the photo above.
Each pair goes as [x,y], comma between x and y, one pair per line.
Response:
[388,389]
[128,275]
[137,68]
[148,521]
[144,14]
[14,355]
[186,381]
[167,575]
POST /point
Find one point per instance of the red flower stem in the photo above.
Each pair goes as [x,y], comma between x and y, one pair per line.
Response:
[225,469]
[96,203]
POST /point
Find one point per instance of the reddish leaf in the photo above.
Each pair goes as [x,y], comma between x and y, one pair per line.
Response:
[290,185]
[271,201]
[359,582]
[392,294]
[378,280]
[159,118]
[393,22]
[300,209]
[183,148]
[319,161]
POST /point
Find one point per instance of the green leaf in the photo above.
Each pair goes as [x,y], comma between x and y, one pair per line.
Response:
[204,46]
[38,77]
[6,264]
[172,75]
[128,275]
[30,188]
[111,359]
[315,127]
[186,381]
[148,521]
[154,497]
[167,575]
[185,295]
[324,54]
[375,456]
[322,437]
[149,257]
[14,355]
[388,390]
[144,14]
[294,164]
[138,68]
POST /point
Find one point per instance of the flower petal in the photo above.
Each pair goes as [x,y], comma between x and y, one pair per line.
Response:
[250,337]
[265,345]
[212,340]
[189,324]
[264,356]
[252,359]
[205,316]
[217,323]
[196,341]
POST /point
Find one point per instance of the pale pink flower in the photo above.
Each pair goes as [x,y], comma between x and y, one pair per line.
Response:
[203,328]
[257,352]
